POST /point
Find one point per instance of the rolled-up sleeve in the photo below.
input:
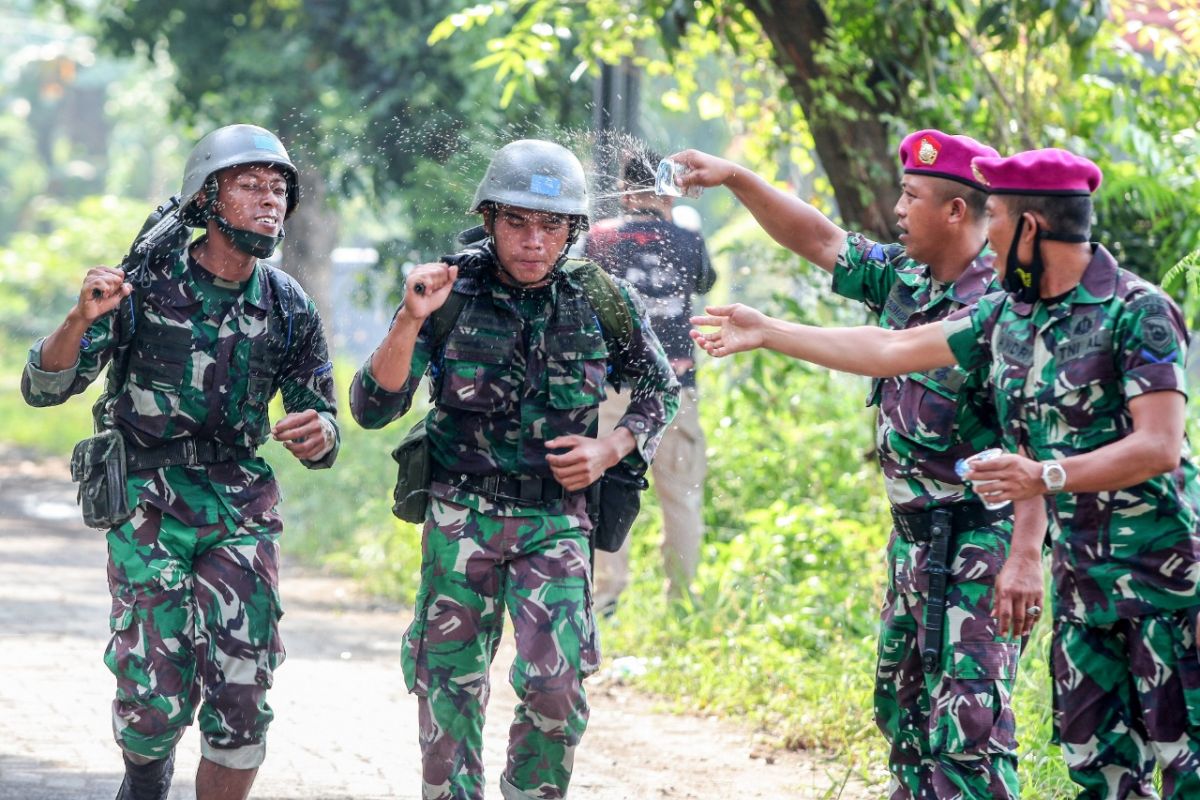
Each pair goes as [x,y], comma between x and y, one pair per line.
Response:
[654,389]
[371,405]
[307,383]
[42,388]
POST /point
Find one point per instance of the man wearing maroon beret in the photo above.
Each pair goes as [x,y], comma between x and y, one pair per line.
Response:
[946,664]
[1086,365]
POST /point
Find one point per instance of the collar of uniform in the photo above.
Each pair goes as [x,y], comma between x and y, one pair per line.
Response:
[253,294]
[1099,282]
[978,279]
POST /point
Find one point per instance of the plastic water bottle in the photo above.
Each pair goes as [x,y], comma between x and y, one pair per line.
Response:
[963,465]
[666,180]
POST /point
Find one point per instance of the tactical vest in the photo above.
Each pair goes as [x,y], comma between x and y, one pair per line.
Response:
[287,319]
[600,298]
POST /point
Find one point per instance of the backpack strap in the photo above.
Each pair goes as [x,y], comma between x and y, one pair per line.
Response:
[125,325]
[605,298]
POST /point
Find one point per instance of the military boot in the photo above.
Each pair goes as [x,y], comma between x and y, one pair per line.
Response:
[150,781]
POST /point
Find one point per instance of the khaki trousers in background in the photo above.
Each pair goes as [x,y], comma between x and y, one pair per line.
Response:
[679,467]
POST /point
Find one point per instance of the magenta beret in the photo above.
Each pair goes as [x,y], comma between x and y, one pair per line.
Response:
[1050,171]
[941,155]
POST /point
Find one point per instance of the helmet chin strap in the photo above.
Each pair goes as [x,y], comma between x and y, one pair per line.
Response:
[258,245]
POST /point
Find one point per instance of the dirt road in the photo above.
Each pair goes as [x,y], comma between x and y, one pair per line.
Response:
[345,728]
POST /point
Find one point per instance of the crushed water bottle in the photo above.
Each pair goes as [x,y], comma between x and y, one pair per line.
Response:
[666,180]
[963,465]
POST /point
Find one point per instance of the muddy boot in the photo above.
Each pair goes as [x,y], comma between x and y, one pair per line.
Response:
[150,781]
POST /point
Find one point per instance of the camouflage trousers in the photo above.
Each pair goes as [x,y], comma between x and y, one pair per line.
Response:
[195,614]
[1127,695]
[952,731]
[475,564]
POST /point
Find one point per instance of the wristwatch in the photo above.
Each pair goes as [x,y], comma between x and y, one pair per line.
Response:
[1054,476]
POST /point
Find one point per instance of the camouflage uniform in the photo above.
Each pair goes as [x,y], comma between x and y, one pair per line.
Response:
[1125,563]
[951,731]
[521,367]
[194,573]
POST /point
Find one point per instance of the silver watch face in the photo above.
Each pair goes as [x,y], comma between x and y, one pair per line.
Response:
[1054,476]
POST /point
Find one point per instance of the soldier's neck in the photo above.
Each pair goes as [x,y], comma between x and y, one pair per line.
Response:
[1065,264]
[218,255]
[949,265]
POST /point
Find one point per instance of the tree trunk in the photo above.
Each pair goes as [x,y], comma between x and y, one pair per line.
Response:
[312,233]
[856,154]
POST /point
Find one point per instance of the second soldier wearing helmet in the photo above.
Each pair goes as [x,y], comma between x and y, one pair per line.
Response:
[518,358]
[194,358]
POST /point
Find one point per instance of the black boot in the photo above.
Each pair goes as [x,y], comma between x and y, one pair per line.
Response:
[147,781]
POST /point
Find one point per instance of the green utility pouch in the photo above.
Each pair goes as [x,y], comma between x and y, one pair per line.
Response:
[613,505]
[98,466]
[411,495]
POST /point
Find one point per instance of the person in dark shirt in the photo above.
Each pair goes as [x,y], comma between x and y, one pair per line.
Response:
[667,264]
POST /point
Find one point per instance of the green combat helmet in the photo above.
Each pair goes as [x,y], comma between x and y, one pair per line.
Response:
[231,146]
[538,175]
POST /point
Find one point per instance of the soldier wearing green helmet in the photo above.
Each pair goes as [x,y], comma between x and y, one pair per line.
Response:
[518,352]
[194,354]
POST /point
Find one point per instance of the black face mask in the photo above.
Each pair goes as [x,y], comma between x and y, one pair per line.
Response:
[1025,283]
[258,245]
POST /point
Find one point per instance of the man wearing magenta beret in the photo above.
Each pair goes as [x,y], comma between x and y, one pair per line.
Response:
[1085,361]
[953,613]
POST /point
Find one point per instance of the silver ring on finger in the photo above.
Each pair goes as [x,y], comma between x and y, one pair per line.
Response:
[1033,611]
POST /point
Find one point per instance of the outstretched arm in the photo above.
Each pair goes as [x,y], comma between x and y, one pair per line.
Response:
[862,350]
[789,220]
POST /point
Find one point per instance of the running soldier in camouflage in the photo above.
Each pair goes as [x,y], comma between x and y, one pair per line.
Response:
[1086,362]
[515,388]
[947,655]
[194,571]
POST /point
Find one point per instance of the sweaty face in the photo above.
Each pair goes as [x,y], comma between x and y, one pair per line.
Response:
[253,197]
[528,243]
[921,214]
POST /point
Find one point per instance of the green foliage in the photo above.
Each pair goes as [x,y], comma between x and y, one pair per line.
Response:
[356,92]
[41,270]
[984,68]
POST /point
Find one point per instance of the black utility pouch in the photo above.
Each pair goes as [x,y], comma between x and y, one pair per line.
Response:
[613,505]
[414,474]
[98,466]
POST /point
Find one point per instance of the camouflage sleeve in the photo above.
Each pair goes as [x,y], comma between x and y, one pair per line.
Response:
[654,387]
[307,382]
[969,334]
[1151,344]
[865,270]
[41,388]
[371,405]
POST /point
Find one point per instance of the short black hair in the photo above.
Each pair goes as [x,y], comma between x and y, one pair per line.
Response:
[640,168]
[976,199]
[1070,214]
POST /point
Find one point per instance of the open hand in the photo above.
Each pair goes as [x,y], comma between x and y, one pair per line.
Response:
[1019,595]
[739,328]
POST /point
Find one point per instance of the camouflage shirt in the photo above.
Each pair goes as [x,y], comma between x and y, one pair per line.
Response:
[521,367]
[927,420]
[1063,373]
[190,376]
